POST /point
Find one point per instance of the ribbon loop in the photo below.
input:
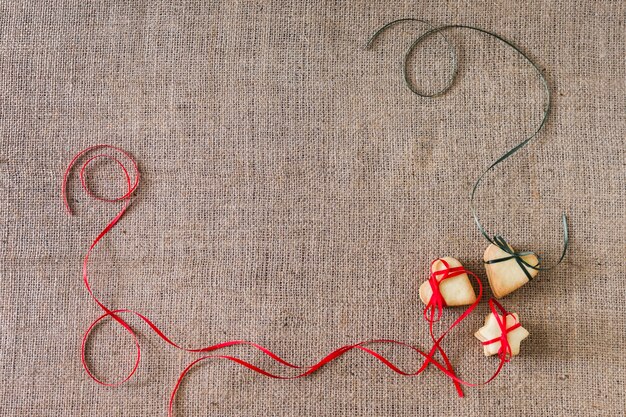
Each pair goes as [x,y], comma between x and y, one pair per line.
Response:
[437,302]
[439,30]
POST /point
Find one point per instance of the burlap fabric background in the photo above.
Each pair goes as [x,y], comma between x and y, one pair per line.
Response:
[293,193]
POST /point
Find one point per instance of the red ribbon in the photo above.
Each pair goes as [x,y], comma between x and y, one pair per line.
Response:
[504,352]
[436,303]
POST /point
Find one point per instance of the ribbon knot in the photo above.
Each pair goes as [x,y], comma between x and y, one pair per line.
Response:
[437,301]
[502,244]
[504,353]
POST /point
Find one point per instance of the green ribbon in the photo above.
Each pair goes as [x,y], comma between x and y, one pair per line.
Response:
[502,244]
[497,240]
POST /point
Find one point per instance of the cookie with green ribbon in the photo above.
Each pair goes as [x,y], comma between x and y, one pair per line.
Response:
[508,270]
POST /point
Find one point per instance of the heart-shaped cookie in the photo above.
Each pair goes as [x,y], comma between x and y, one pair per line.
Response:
[456,290]
[505,272]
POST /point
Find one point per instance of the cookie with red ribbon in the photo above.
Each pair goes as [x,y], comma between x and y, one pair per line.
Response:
[449,281]
[502,333]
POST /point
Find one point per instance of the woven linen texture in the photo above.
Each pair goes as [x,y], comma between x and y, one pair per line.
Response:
[294,192]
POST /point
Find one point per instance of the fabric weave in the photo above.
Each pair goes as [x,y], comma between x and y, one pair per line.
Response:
[293,194]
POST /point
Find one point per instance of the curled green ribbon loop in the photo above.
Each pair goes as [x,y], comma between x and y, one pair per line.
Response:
[405,69]
[432,30]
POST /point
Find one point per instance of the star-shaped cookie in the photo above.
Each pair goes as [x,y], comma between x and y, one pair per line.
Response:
[491,330]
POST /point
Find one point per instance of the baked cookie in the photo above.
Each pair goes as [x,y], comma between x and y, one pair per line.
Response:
[507,275]
[456,291]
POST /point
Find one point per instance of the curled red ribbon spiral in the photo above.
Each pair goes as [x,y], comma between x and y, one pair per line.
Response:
[131,175]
